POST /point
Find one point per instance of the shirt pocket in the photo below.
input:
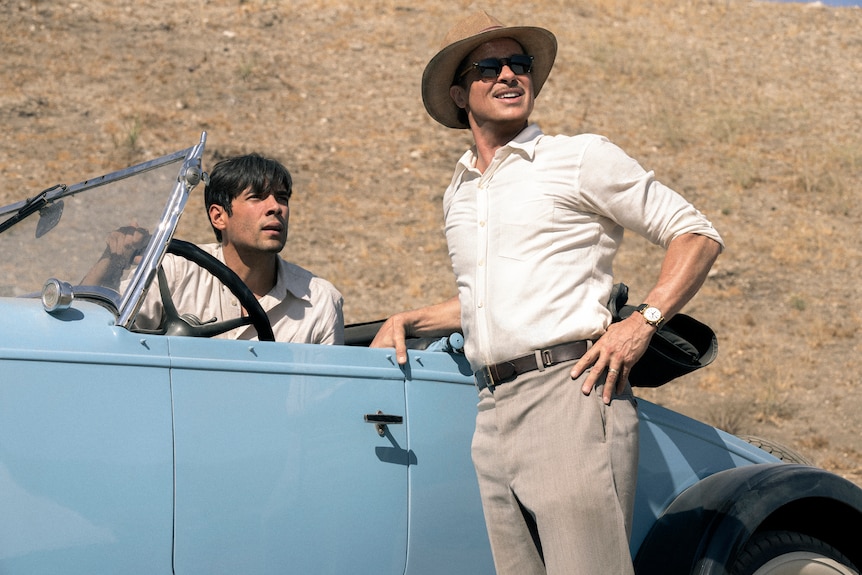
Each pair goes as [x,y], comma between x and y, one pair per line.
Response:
[526,229]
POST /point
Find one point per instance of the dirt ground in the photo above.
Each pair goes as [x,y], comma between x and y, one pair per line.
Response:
[750,109]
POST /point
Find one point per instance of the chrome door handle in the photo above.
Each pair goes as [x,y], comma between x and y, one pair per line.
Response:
[381,420]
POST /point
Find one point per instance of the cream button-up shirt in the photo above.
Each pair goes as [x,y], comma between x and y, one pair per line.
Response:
[533,238]
[301,307]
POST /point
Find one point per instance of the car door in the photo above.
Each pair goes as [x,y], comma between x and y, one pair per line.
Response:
[85,444]
[277,469]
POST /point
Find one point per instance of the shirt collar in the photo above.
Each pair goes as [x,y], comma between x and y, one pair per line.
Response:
[286,281]
[296,284]
[526,141]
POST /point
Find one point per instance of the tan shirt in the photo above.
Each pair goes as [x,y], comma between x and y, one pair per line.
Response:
[533,238]
[302,307]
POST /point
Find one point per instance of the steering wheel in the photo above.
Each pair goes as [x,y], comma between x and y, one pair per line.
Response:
[188,325]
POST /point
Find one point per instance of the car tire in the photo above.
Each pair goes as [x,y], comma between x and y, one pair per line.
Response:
[790,553]
[782,452]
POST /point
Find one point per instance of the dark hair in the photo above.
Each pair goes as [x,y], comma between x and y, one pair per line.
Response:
[232,176]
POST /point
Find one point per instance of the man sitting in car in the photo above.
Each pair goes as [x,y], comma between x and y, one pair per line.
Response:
[248,205]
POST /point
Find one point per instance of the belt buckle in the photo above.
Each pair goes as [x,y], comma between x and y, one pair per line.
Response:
[492,376]
[484,378]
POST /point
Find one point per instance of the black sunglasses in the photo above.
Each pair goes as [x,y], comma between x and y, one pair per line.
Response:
[490,68]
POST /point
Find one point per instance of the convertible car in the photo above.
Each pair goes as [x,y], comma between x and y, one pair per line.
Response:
[171,451]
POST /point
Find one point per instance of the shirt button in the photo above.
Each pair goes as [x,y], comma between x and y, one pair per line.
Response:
[482,224]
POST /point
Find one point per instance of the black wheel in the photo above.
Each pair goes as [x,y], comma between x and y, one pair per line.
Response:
[175,324]
[782,452]
[790,553]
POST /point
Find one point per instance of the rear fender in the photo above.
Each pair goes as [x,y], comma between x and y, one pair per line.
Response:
[705,528]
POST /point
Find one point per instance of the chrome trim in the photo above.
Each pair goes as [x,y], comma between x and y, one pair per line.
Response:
[189,176]
[62,191]
[57,295]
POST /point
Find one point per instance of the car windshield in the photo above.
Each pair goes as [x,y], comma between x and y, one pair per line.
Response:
[63,231]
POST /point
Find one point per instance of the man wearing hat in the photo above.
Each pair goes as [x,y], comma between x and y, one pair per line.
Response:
[533,223]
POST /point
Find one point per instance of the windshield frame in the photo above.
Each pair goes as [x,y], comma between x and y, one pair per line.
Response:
[190,175]
[126,302]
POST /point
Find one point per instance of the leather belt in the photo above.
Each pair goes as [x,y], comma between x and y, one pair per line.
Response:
[505,371]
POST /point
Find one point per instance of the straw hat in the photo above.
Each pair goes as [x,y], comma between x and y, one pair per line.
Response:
[465,37]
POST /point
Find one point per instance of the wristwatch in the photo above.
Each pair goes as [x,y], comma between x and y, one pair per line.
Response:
[652,315]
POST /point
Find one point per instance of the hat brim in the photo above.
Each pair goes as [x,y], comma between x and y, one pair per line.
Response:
[440,71]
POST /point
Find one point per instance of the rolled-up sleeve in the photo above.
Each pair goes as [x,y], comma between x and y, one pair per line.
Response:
[615,185]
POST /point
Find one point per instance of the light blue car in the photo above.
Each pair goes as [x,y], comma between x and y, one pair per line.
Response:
[124,452]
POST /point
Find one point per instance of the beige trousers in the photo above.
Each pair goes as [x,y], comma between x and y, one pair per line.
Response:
[557,473]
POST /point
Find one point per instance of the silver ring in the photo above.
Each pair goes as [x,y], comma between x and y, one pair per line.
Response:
[612,370]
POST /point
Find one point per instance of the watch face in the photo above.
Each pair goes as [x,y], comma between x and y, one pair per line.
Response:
[652,314]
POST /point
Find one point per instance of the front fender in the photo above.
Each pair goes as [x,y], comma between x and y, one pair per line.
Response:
[704,528]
